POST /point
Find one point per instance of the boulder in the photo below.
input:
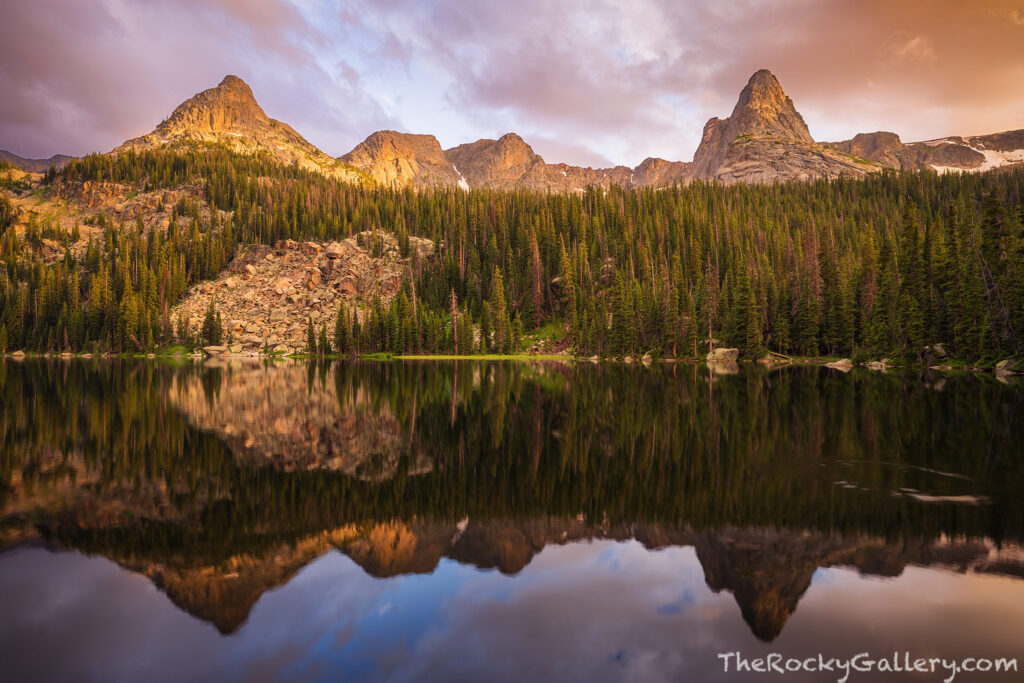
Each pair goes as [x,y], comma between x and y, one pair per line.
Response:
[842,365]
[215,350]
[250,269]
[877,364]
[348,286]
[723,355]
[934,353]
[334,250]
[1008,367]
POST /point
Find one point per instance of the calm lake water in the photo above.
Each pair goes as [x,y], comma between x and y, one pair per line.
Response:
[502,521]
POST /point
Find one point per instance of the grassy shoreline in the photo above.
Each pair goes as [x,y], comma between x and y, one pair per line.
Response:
[181,354]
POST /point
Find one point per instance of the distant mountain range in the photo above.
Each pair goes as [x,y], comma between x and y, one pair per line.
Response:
[34,165]
[765,139]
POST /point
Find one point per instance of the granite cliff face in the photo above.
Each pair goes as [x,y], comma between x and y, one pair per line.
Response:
[498,163]
[400,159]
[229,114]
[765,139]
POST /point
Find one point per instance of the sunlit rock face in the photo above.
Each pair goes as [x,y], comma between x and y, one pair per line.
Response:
[228,114]
[403,159]
[271,416]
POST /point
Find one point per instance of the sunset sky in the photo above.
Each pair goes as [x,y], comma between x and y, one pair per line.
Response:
[590,82]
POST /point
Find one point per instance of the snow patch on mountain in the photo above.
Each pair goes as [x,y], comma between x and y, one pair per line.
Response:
[462,180]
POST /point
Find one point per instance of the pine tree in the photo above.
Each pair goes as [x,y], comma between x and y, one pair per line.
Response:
[485,327]
[210,333]
[499,311]
[323,346]
[311,338]
[342,331]
[465,328]
[536,278]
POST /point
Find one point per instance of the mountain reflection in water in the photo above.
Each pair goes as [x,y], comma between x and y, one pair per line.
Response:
[218,483]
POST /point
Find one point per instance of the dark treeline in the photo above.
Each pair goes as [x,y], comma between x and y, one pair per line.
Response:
[116,467]
[882,266]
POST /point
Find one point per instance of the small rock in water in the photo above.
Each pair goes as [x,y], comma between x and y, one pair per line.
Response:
[843,365]
[1008,367]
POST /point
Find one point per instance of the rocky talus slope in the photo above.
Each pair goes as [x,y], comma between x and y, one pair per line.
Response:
[270,417]
[267,295]
[228,114]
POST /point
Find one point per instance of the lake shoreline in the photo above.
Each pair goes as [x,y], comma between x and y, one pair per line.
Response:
[841,364]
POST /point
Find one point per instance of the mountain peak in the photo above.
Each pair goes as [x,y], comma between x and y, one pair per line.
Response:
[766,139]
[400,159]
[229,114]
[230,104]
[763,112]
[512,139]
[765,79]
[232,80]
[765,108]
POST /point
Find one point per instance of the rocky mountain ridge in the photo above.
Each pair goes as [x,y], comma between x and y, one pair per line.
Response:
[58,161]
[976,153]
[764,139]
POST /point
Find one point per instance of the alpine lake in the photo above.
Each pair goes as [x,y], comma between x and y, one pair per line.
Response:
[413,520]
